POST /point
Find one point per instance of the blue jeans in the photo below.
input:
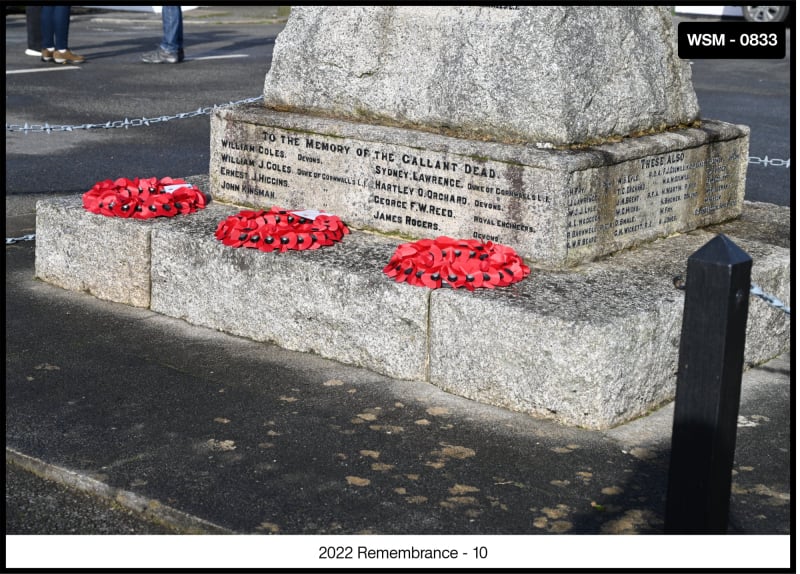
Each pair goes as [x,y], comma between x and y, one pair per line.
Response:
[55,27]
[172,19]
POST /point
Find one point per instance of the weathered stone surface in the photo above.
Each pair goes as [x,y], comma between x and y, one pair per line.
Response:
[764,233]
[83,251]
[597,345]
[536,74]
[334,301]
[592,346]
[556,208]
[428,121]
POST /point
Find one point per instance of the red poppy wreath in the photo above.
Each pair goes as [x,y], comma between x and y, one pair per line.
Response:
[467,263]
[281,230]
[143,198]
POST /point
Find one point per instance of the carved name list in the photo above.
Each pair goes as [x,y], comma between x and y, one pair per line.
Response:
[552,216]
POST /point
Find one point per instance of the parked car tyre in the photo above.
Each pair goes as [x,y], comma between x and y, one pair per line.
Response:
[765,13]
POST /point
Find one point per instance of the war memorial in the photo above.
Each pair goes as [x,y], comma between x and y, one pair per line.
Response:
[586,153]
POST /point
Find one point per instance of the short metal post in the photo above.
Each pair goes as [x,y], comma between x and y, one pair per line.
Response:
[711,360]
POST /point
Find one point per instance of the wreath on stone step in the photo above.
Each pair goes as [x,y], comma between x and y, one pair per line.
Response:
[467,263]
[281,230]
[143,198]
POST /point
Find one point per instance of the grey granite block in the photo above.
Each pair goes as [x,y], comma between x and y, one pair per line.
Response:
[764,233]
[83,251]
[334,301]
[597,345]
[593,346]
[541,74]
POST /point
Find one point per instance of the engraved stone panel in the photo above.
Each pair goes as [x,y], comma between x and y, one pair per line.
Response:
[555,207]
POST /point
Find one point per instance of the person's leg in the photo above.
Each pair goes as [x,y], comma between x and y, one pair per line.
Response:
[172,20]
[170,50]
[33,20]
[48,34]
[62,54]
[61,26]
[48,40]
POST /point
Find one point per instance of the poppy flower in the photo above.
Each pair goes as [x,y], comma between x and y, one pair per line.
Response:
[281,230]
[459,263]
[143,198]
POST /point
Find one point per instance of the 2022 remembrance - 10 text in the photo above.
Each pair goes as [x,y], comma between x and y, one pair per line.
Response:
[412,553]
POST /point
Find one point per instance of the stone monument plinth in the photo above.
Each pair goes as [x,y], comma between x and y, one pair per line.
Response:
[567,133]
[564,132]
[594,345]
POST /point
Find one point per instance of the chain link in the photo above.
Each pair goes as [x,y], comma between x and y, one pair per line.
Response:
[756,291]
[127,123]
[12,240]
[767,161]
[680,283]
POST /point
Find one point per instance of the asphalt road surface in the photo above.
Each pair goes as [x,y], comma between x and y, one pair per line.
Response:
[227,60]
[224,63]
[35,505]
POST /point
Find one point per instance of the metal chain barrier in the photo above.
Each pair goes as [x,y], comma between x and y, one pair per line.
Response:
[766,161]
[756,291]
[680,283]
[12,240]
[127,123]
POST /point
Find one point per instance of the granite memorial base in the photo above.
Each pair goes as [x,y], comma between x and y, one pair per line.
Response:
[555,207]
[593,346]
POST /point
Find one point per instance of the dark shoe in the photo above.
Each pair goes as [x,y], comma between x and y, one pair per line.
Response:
[163,57]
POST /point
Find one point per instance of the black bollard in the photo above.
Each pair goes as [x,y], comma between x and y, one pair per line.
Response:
[710,364]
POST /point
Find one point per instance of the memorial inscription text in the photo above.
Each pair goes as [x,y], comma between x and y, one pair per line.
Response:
[396,188]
